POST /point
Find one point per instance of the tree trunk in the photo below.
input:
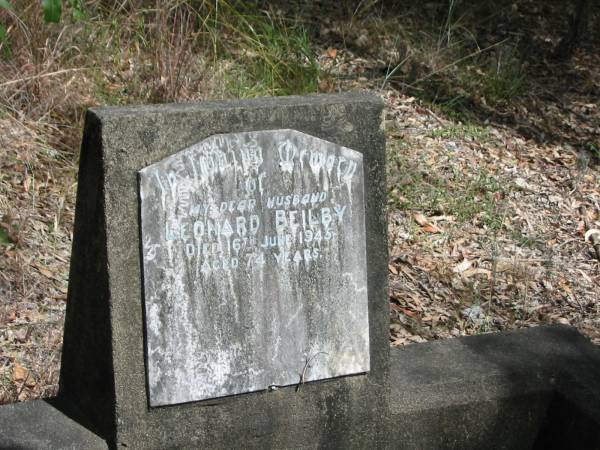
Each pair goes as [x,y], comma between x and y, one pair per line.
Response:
[577,26]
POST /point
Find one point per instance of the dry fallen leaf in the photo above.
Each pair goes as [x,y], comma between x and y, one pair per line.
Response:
[427,226]
[420,219]
[590,233]
[19,373]
[22,375]
[20,335]
[465,264]
[432,229]
[46,272]
[470,272]
[26,182]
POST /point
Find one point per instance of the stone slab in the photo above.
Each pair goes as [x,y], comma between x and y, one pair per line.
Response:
[534,388]
[527,389]
[105,315]
[254,264]
[37,425]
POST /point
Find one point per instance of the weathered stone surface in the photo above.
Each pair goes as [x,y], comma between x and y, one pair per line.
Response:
[254,262]
[37,425]
[105,321]
[534,388]
[467,393]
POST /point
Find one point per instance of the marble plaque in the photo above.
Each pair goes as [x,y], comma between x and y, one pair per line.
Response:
[254,265]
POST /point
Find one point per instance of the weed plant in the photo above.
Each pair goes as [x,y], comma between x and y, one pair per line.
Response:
[140,52]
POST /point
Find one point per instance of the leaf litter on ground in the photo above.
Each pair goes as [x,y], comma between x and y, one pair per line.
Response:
[491,222]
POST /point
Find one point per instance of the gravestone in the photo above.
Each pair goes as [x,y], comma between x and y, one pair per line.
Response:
[254,265]
[228,275]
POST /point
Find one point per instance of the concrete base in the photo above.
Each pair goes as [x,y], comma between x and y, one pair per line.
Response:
[537,388]
[39,425]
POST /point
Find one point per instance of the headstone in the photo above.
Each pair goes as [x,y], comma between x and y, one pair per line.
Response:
[254,264]
[228,275]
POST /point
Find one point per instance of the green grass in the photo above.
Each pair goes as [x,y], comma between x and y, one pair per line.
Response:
[277,56]
[468,131]
[594,149]
[474,88]
[496,88]
[414,187]
[4,238]
[528,241]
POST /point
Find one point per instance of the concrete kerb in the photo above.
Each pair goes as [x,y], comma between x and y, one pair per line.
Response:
[534,388]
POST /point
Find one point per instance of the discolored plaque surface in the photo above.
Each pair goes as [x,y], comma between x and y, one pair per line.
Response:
[254,265]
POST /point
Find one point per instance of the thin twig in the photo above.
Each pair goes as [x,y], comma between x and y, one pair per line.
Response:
[435,116]
[43,75]
[568,241]
[306,367]
[470,55]
[391,74]
[23,385]
[495,262]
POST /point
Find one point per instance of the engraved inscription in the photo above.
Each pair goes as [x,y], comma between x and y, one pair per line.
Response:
[254,263]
